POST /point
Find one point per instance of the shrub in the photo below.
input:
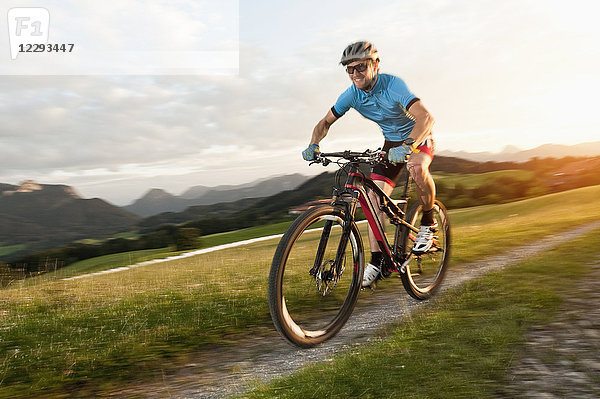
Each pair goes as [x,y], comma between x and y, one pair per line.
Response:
[187,238]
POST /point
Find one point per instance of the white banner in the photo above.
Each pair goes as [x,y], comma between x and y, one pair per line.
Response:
[128,37]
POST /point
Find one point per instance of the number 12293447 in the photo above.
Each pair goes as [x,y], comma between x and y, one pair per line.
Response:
[46,48]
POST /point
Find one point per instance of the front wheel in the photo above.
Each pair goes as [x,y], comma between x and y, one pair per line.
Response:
[424,273]
[315,276]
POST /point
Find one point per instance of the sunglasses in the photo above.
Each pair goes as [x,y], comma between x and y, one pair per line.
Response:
[358,68]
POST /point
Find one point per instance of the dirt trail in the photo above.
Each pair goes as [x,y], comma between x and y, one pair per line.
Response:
[562,359]
[231,370]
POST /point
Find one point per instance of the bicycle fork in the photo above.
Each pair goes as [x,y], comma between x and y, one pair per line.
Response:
[333,273]
[321,249]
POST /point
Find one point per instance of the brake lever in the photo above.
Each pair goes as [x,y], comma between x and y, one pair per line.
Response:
[323,160]
[382,156]
[378,158]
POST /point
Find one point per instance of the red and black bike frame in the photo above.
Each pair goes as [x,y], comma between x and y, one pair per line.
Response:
[354,191]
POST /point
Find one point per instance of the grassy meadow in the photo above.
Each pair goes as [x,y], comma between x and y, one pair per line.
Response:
[8,249]
[472,180]
[93,334]
[113,261]
[460,344]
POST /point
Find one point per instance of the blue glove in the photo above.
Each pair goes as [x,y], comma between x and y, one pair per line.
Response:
[399,154]
[309,153]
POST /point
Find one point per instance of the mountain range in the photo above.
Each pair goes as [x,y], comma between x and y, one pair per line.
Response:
[513,154]
[41,215]
[158,201]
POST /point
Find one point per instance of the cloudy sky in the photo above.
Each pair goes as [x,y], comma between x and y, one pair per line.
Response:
[492,73]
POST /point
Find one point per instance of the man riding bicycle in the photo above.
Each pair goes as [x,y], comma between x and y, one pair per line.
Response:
[406,125]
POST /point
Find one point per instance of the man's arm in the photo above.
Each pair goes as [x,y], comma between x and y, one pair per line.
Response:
[320,131]
[423,122]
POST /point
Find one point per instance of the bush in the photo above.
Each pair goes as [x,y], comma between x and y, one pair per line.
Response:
[187,238]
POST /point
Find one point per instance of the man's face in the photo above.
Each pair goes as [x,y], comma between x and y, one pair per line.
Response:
[361,73]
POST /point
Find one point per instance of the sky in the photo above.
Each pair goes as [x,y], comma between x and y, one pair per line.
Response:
[519,73]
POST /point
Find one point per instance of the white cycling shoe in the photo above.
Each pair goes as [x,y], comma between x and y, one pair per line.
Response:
[424,239]
[370,275]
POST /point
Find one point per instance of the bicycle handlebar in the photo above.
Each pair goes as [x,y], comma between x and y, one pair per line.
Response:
[367,156]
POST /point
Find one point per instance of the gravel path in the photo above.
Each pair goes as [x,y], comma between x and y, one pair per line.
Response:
[222,372]
[562,359]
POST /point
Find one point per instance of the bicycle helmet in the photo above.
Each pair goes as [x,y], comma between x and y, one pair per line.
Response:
[362,50]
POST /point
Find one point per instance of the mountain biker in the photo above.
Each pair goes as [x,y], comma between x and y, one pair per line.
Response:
[406,126]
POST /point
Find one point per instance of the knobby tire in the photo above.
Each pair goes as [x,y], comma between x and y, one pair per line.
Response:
[304,312]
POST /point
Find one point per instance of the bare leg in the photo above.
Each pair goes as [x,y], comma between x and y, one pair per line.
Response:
[418,167]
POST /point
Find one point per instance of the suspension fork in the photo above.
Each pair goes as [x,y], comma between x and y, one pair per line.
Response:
[321,249]
[349,201]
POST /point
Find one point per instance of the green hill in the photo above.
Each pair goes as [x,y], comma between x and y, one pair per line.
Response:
[43,216]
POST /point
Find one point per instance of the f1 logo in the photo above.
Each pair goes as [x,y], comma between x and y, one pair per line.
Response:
[27,25]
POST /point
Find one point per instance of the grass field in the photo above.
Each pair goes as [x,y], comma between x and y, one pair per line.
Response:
[473,180]
[244,234]
[91,335]
[459,345]
[100,263]
[129,258]
[9,249]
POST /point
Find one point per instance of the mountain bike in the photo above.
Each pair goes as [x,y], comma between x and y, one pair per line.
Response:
[317,269]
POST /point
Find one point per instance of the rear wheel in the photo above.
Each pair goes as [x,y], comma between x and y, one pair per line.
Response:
[424,273]
[312,287]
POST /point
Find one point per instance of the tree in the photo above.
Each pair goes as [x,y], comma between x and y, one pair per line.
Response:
[187,238]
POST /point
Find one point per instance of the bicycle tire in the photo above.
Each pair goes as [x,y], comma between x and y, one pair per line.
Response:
[304,312]
[424,274]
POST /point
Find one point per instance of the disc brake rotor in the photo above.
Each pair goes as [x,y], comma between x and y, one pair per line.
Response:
[327,276]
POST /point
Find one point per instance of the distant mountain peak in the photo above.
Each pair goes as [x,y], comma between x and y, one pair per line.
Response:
[510,149]
[29,186]
[509,154]
[157,193]
[157,201]
[46,215]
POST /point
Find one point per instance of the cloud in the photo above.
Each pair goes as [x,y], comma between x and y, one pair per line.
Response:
[487,70]
[62,127]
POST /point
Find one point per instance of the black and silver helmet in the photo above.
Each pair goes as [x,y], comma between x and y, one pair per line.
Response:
[359,51]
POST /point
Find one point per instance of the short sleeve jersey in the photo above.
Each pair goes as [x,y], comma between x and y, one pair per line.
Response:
[386,104]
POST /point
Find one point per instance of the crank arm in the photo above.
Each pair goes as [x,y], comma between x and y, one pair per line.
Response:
[403,267]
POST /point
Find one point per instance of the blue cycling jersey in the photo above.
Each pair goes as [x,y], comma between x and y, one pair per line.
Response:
[386,104]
